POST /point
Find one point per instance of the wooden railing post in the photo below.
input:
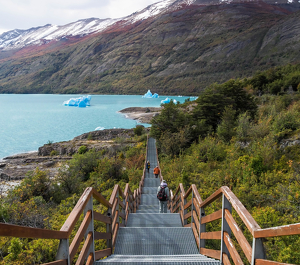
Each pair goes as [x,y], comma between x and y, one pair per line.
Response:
[225,227]
[63,251]
[90,229]
[258,251]
[192,208]
[202,228]
[109,229]
[184,210]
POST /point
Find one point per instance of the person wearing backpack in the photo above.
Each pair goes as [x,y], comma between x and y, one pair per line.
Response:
[163,194]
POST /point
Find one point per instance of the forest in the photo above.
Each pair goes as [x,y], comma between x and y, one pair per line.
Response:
[244,133]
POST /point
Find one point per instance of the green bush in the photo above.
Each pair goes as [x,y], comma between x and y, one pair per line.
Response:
[138,130]
[82,149]
[53,153]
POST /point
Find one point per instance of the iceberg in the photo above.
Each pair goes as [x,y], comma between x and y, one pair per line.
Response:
[165,101]
[80,102]
[150,95]
[168,100]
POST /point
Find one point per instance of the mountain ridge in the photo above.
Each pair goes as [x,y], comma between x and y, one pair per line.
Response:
[180,50]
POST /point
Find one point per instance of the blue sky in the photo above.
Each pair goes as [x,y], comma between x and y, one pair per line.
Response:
[25,14]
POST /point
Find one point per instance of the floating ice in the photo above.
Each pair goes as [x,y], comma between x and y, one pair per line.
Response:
[80,102]
[99,128]
[168,100]
[150,95]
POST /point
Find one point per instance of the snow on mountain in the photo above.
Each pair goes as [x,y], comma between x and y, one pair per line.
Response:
[17,39]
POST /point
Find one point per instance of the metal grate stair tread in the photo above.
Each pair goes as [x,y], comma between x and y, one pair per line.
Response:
[160,259]
[156,241]
[154,220]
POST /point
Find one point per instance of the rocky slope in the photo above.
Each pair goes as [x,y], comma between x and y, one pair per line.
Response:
[178,51]
[51,156]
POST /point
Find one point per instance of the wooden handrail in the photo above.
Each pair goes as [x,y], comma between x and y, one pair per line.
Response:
[192,208]
[29,232]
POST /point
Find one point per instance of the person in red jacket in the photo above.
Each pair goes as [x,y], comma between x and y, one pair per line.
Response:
[156,171]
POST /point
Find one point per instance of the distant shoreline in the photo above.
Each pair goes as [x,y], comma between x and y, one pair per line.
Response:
[141,114]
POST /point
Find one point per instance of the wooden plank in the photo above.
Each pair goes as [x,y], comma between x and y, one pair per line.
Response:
[29,232]
[122,225]
[269,262]
[114,208]
[70,223]
[99,197]
[80,234]
[241,210]
[122,215]
[186,216]
[196,235]
[102,218]
[57,262]
[122,204]
[188,204]
[211,235]
[102,253]
[189,191]
[285,230]
[85,249]
[115,221]
[216,254]
[196,194]
[101,235]
[181,216]
[247,249]
[90,260]
[196,207]
[196,221]
[226,260]
[217,194]
[232,250]
[115,235]
[212,217]
[181,189]
[114,194]
[187,225]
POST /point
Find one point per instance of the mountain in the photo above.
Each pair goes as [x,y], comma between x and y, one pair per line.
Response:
[171,47]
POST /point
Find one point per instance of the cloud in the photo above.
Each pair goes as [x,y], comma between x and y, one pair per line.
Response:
[20,14]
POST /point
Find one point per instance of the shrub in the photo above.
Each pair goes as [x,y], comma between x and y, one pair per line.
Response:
[53,153]
[138,130]
[82,149]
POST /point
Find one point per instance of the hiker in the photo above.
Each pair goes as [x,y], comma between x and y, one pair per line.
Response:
[148,165]
[163,194]
[156,171]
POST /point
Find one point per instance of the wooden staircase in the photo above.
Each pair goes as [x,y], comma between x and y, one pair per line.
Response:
[136,233]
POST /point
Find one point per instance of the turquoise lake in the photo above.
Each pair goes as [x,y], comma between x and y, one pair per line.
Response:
[30,121]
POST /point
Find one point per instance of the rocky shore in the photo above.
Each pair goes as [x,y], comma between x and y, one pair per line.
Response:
[51,156]
[142,115]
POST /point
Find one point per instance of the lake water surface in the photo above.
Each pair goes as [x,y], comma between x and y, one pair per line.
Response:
[29,121]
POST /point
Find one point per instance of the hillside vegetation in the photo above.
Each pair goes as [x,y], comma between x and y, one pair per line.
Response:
[228,136]
[179,52]
[248,143]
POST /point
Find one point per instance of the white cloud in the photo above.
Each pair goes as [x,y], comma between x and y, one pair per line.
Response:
[20,14]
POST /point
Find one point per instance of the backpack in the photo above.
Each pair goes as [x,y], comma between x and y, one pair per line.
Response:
[161,195]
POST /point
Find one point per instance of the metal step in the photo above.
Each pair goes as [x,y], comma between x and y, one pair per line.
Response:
[148,209]
[150,190]
[151,182]
[155,241]
[197,259]
[154,220]
[149,199]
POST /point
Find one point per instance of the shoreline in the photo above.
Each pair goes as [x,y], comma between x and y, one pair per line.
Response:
[13,168]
